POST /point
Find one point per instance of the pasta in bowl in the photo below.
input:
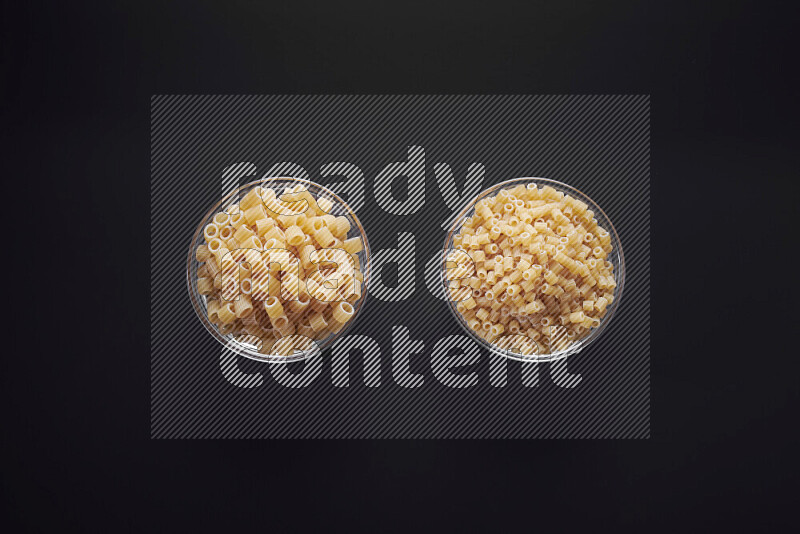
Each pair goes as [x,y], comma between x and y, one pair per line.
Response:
[277,270]
[533,269]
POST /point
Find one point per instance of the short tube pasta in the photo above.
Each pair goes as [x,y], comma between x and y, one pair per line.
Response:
[243,233]
[340,227]
[353,245]
[202,254]
[294,236]
[317,322]
[273,307]
[226,313]
[242,307]
[324,237]
[221,219]
[205,286]
[210,232]
[342,312]
[212,310]
[255,214]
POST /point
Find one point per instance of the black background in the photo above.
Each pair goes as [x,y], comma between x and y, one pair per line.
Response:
[76,85]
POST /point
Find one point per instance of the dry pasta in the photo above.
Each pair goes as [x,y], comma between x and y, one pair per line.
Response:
[536,268]
[273,266]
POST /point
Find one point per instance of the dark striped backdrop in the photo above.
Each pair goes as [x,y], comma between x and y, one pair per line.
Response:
[598,144]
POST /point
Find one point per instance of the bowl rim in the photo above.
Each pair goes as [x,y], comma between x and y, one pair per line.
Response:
[235,347]
[619,273]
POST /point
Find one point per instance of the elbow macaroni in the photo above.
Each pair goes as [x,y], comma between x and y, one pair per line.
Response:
[537,267]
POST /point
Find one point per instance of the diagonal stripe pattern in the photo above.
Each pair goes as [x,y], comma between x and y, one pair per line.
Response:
[385,379]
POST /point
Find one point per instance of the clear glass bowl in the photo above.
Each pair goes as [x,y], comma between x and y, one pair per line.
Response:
[199,303]
[615,257]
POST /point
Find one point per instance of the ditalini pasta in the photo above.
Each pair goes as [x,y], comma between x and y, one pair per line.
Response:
[279,264]
[530,271]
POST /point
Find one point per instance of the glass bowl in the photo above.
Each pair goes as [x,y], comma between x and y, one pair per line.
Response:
[199,302]
[615,257]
